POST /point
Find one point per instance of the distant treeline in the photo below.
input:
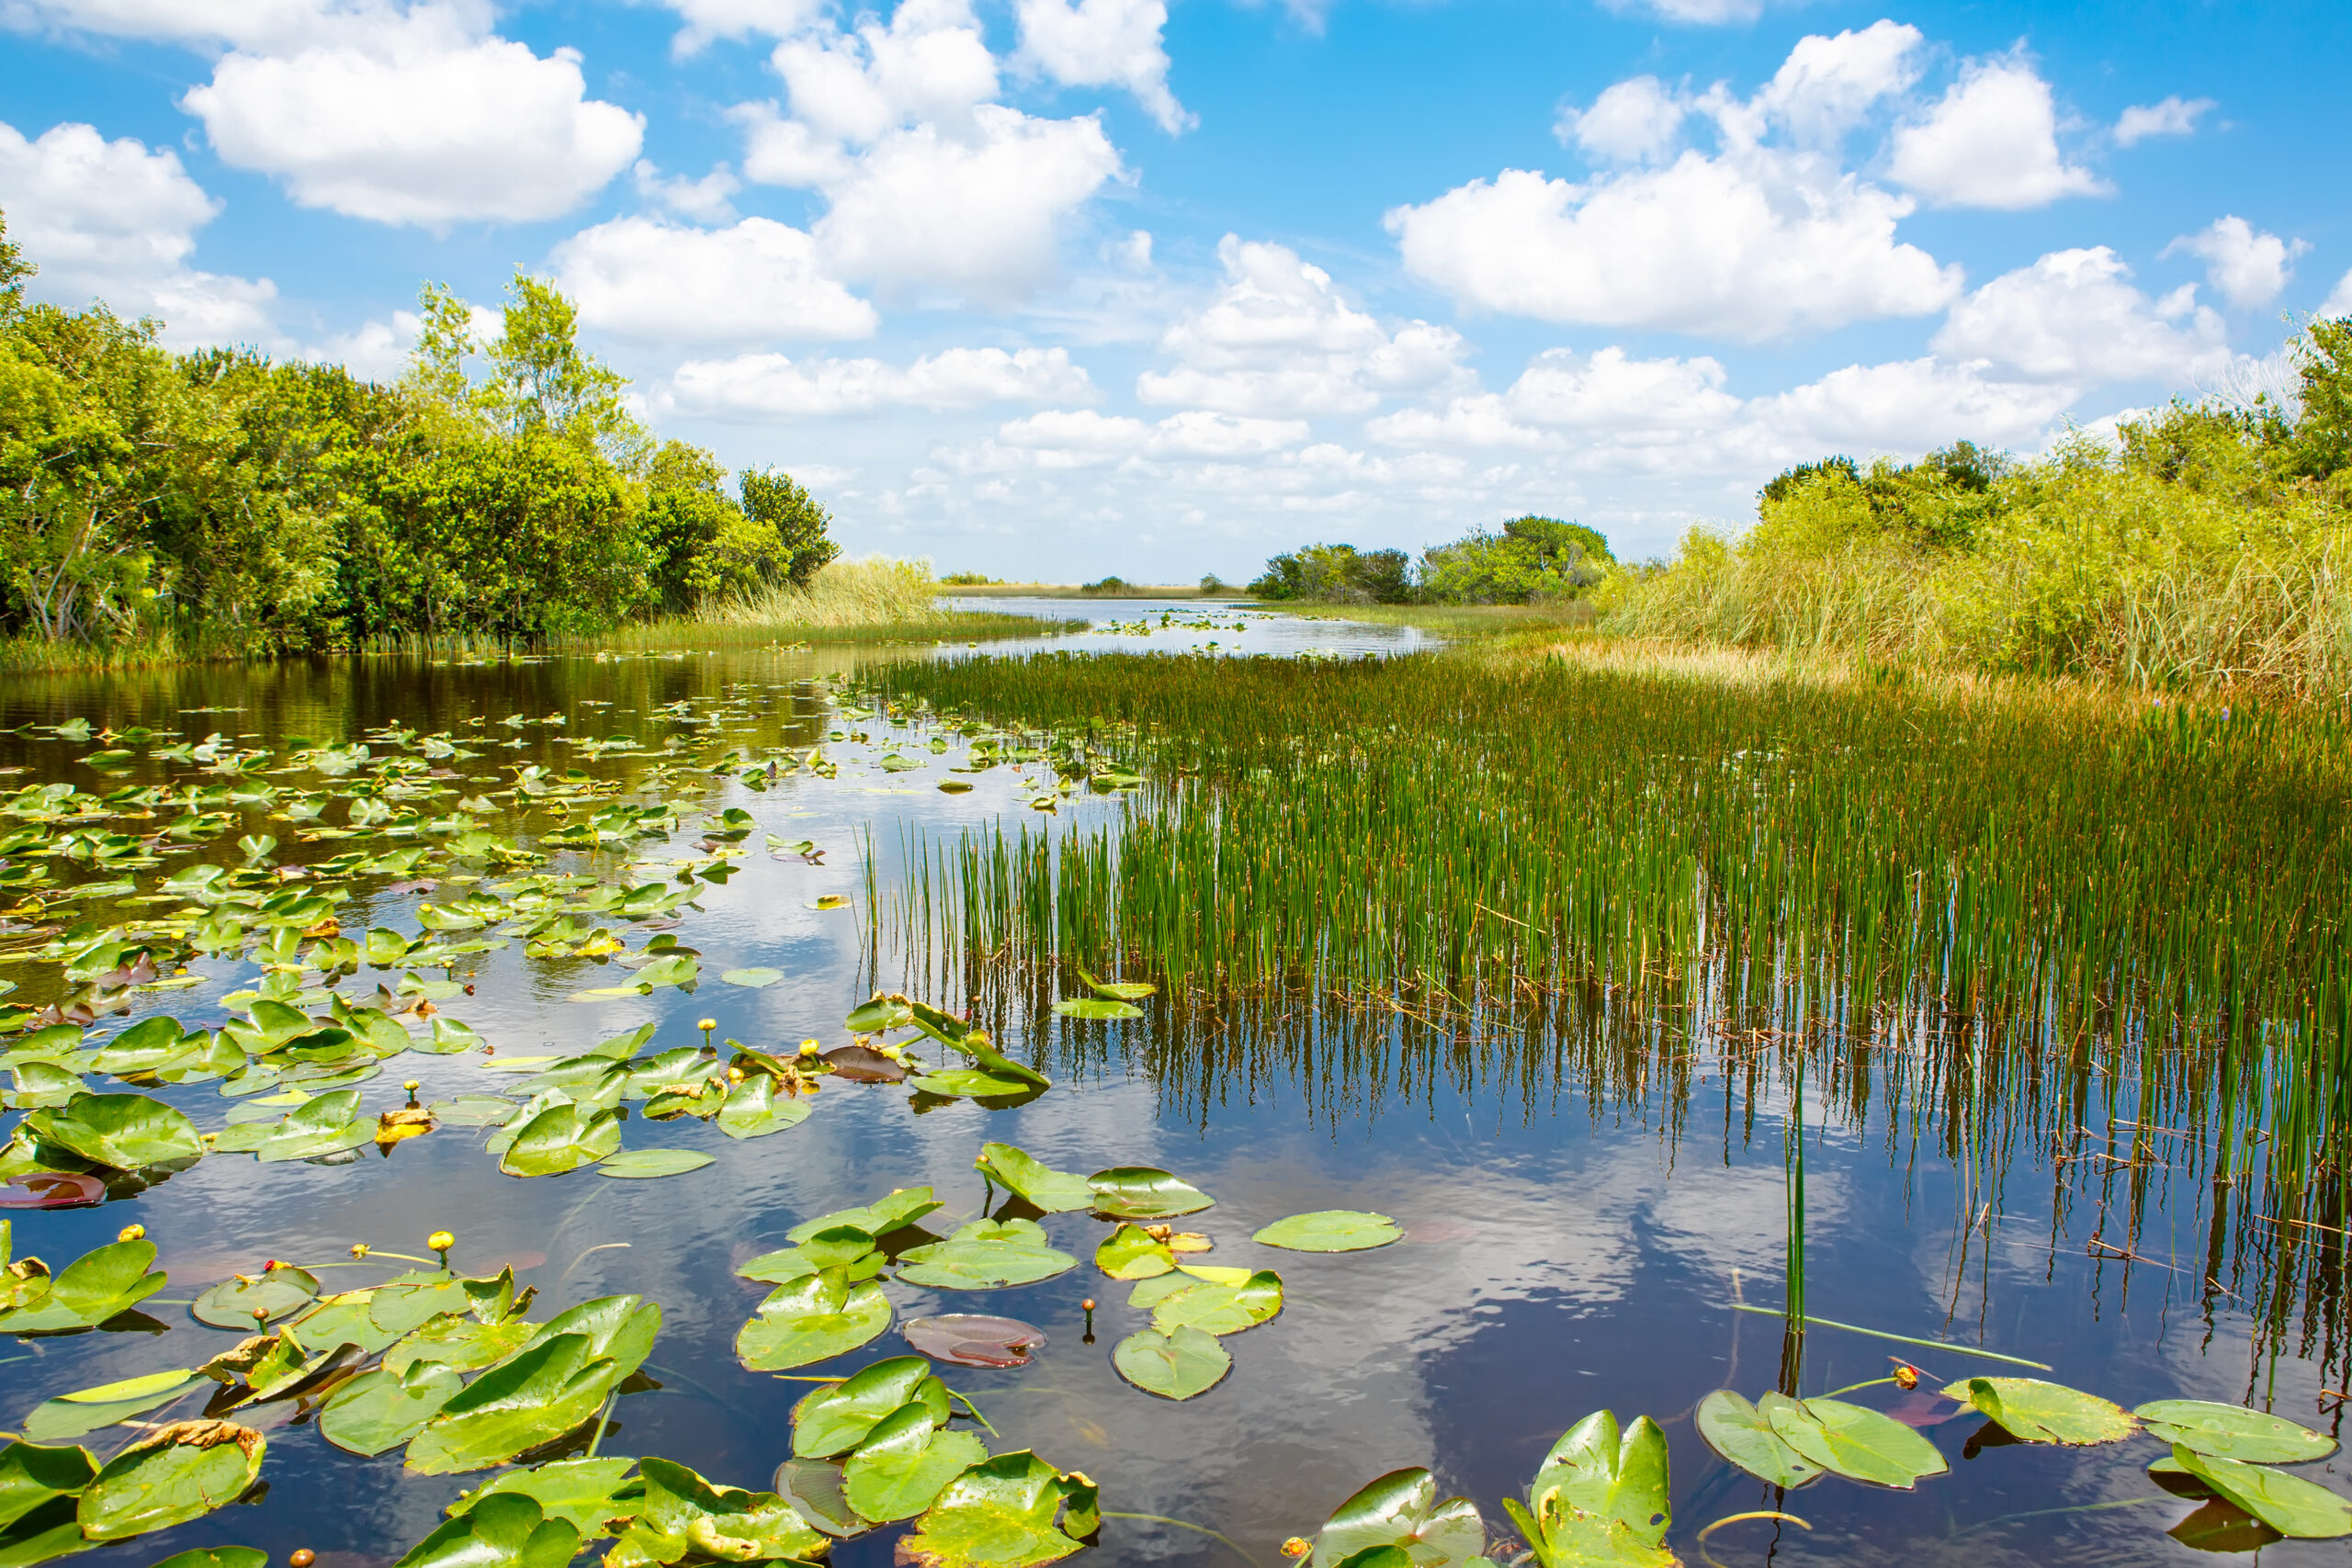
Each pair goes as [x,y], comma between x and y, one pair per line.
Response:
[230,504]
[2208,544]
[1533,561]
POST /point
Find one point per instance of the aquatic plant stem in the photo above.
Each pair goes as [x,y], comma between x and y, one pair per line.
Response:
[602,1413]
[1700,1540]
[1186,1525]
[1898,1339]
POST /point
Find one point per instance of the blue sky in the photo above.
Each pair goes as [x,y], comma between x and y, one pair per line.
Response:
[1055,288]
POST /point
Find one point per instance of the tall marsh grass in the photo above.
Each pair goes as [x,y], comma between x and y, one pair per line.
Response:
[871,598]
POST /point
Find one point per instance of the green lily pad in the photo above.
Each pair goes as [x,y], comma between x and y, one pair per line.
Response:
[878,1218]
[1183,1276]
[971,1083]
[1738,1431]
[100,1284]
[461,1344]
[1857,1443]
[755,979]
[1015,1170]
[1174,1366]
[586,1493]
[619,1328]
[86,1410]
[754,1109]
[811,1318]
[216,1557]
[685,1516]
[1140,1192]
[1002,1515]
[246,1300]
[174,1474]
[33,1477]
[561,1138]
[125,1132]
[2287,1503]
[1221,1309]
[1400,1511]
[843,1247]
[1130,1252]
[985,1256]
[2232,1431]
[383,1409]
[2033,1411]
[504,1529]
[324,1125]
[814,1486]
[1099,1009]
[541,1393]
[838,1416]
[1331,1230]
[643,1163]
[904,1462]
[1125,990]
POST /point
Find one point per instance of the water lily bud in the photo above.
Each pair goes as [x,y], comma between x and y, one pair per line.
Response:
[1296,1546]
[1087,1304]
[707,1025]
[734,1074]
[1906,1377]
[809,1047]
[358,1249]
[302,1558]
[131,1232]
[440,1241]
[269,1263]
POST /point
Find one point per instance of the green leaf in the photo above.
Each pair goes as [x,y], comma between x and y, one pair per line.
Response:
[382,1409]
[1221,1309]
[1001,1515]
[753,1110]
[93,1288]
[246,1300]
[1130,1252]
[814,1486]
[1598,1498]
[900,1468]
[1174,1366]
[971,1083]
[32,1475]
[1125,990]
[2033,1411]
[461,1344]
[836,1417]
[1401,1510]
[124,1132]
[560,1138]
[755,979]
[985,1256]
[619,1328]
[216,1557]
[878,1218]
[1738,1431]
[1858,1444]
[586,1493]
[685,1517]
[174,1474]
[2232,1431]
[678,970]
[1096,1008]
[843,1247]
[2287,1503]
[1331,1230]
[813,1318]
[1140,1192]
[541,1393]
[644,1164]
[1054,1192]
[323,1125]
[505,1530]
[69,1415]
[1158,1288]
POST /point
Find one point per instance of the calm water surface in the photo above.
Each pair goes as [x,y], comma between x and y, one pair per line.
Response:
[1575,1238]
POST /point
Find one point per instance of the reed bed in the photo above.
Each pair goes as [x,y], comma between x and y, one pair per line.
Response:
[2014,920]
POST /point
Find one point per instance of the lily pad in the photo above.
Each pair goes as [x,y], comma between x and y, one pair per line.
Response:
[1331,1230]
[685,1518]
[247,1300]
[1131,1253]
[645,1163]
[971,1339]
[985,1255]
[1125,990]
[325,1125]
[1221,1309]
[541,1393]
[2033,1411]
[839,1417]
[382,1409]
[1600,1499]
[1738,1431]
[1141,1193]
[216,1557]
[32,1479]
[878,1218]
[504,1529]
[100,1284]
[812,1318]
[1174,1366]
[586,1493]
[125,1132]
[172,1475]
[1158,1288]
[972,1083]
[69,1415]
[904,1462]
[814,1486]
[754,1109]
[2232,1431]
[1857,1443]
[863,1063]
[2287,1503]
[1401,1511]
[1098,1009]
[843,1247]
[1002,1515]
[51,1189]
[561,1138]
[1015,1170]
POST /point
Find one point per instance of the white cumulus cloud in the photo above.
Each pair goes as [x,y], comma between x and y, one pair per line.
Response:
[1827,84]
[1098,43]
[2174,117]
[1637,120]
[116,221]
[2075,318]
[2246,267]
[756,280]
[709,20]
[1992,141]
[2339,299]
[769,386]
[707,199]
[418,118]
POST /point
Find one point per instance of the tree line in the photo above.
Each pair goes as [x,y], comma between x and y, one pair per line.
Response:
[1530,560]
[497,490]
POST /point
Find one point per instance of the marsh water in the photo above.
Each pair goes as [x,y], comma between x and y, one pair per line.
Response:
[1581,1229]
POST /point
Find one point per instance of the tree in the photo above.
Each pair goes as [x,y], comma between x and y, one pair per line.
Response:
[1337,574]
[2321,441]
[772,500]
[1534,558]
[14,272]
